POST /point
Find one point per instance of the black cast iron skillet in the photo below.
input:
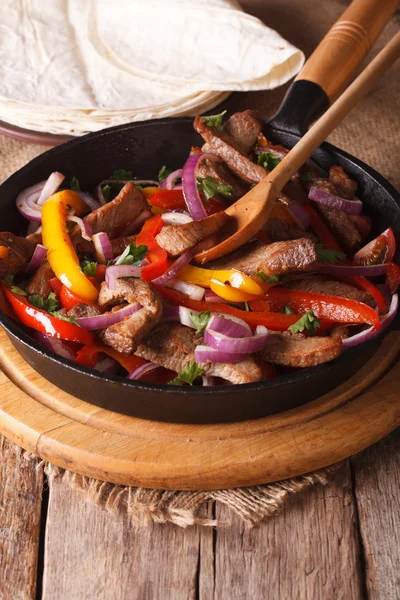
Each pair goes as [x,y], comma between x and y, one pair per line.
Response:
[144,147]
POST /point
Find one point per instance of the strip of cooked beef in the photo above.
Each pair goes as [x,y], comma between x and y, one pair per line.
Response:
[273,259]
[279,230]
[222,173]
[346,186]
[176,239]
[340,331]
[126,207]
[227,149]
[39,282]
[83,310]
[172,346]
[125,336]
[332,288]
[244,128]
[299,351]
[19,254]
[337,220]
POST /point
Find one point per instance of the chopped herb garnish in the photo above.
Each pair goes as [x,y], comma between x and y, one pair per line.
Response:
[306,176]
[9,279]
[286,310]
[268,160]
[163,173]
[328,255]
[106,191]
[121,175]
[58,315]
[50,304]
[268,278]
[201,320]
[132,255]
[17,290]
[210,187]
[214,120]
[188,375]
[74,184]
[247,307]
[307,322]
[89,268]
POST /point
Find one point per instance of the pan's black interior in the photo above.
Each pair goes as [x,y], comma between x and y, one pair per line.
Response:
[144,148]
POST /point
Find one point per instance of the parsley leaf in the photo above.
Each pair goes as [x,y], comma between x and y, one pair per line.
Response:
[214,120]
[327,255]
[163,173]
[268,278]
[74,184]
[306,176]
[89,268]
[307,322]
[247,307]
[188,375]
[132,255]
[286,310]
[211,187]
[58,315]
[37,301]
[17,290]
[9,279]
[201,320]
[106,191]
[121,175]
[268,160]
[50,304]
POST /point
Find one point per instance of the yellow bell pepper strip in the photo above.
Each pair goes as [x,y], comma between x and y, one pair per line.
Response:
[227,292]
[61,253]
[236,279]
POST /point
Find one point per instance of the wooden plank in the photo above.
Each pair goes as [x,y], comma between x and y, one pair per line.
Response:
[20,505]
[377,485]
[92,554]
[308,551]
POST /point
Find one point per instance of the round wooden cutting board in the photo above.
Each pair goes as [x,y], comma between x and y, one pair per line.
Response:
[117,448]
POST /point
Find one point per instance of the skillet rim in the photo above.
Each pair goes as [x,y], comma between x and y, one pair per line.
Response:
[287,379]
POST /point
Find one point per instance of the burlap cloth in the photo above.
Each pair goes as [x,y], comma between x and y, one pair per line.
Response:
[370,132]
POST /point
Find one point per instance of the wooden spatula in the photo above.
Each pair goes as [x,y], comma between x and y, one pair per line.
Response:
[250,213]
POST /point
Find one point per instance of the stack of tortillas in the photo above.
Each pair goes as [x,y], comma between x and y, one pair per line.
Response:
[73,66]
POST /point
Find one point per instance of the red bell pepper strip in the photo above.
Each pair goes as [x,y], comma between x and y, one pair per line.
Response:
[363,284]
[393,277]
[69,299]
[337,309]
[213,206]
[157,256]
[168,199]
[55,285]
[89,355]
[42,321]
[100,272]
[271,320]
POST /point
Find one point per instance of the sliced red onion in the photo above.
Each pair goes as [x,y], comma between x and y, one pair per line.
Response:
[204,354]
[175,268]
[116,271]
[107,365]
[209,381]
[50,187]
[136,225]
[175,218]
[142,370]
[86,232]
[38,257]
[345,270]
[353,207]
[89,200]
[302,217]
[103,248]
[228,326]
[185,318]
[110,318]
[211,297]
[178,187]
[53,344]
[26,202]
[169,181]
[372,332]
[33,227]
[190,289]
[235,345]
[189,184]
[99,193]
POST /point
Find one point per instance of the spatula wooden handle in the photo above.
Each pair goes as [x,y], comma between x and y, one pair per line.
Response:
[346,44]
[334,115]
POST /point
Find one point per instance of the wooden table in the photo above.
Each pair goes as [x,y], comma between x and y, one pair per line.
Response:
[342,541]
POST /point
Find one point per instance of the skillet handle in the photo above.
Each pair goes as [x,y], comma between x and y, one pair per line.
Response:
[346,44]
